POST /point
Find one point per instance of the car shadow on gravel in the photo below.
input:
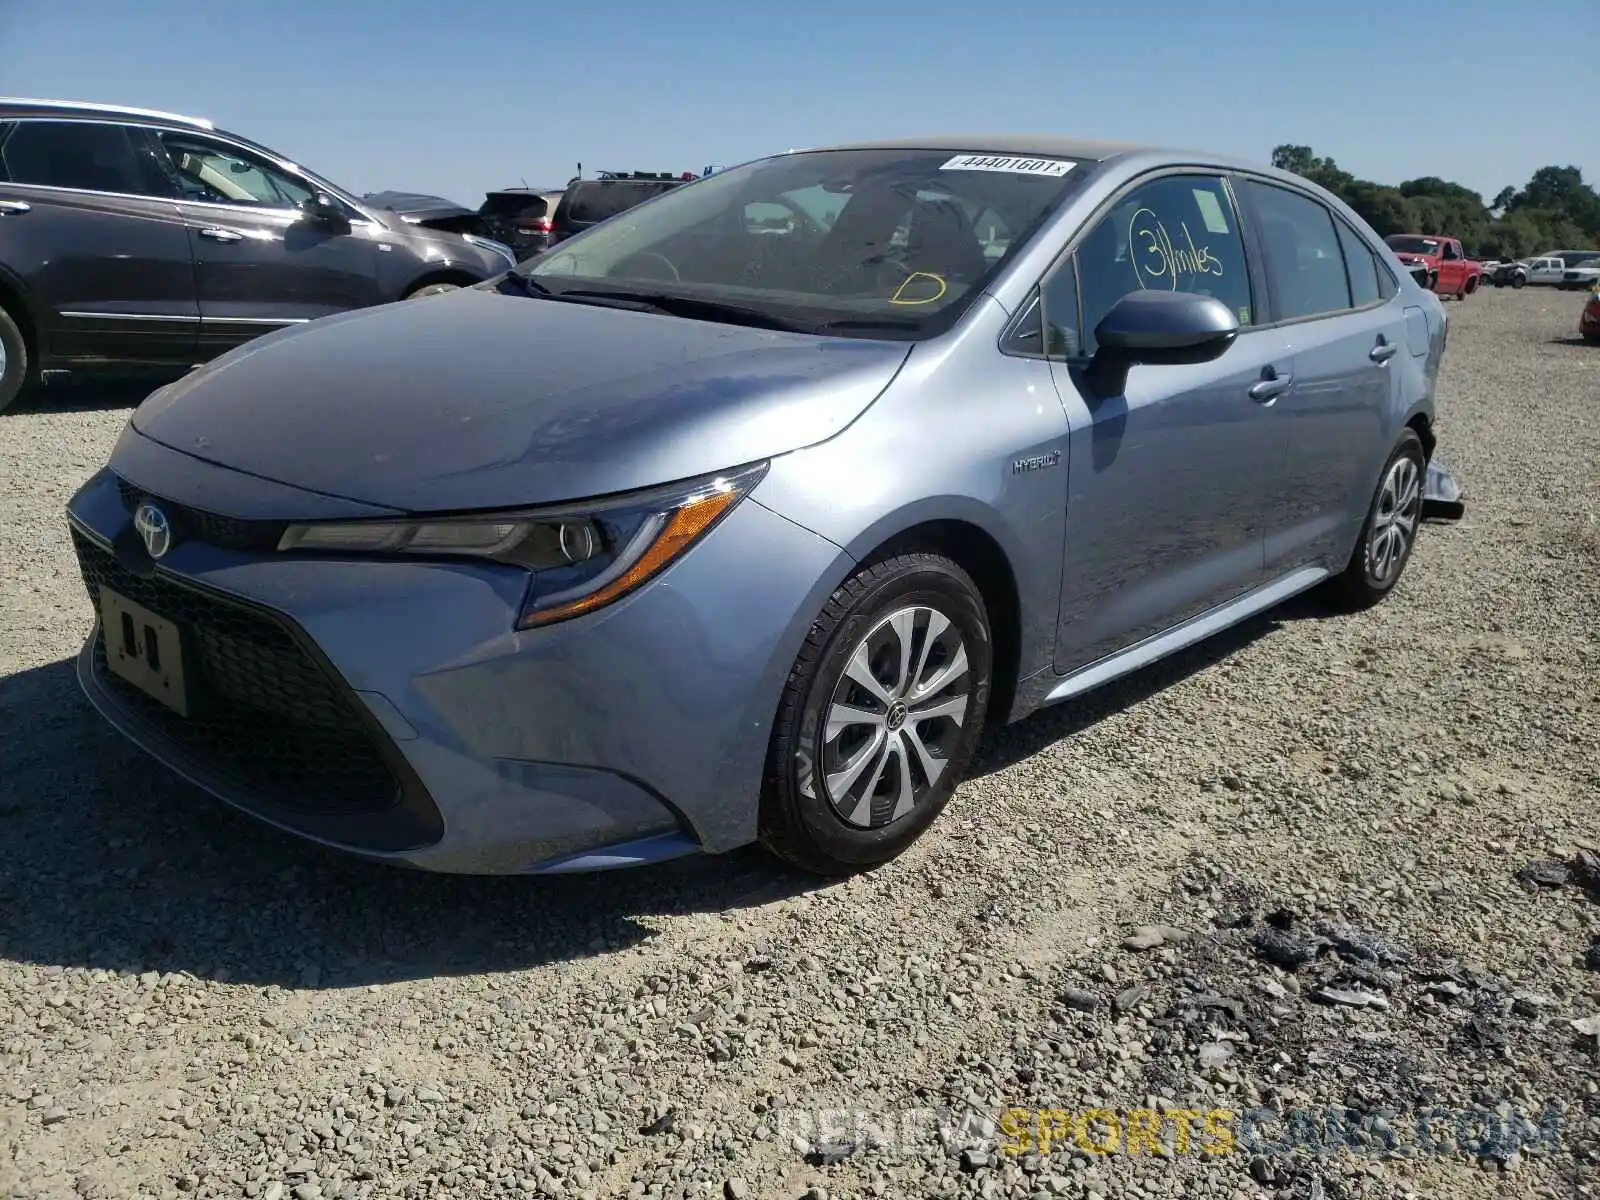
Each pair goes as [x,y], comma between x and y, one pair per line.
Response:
[108,861]
[90,394]
[1004,747]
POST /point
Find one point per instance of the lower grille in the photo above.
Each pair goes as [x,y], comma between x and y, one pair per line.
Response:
[266,717]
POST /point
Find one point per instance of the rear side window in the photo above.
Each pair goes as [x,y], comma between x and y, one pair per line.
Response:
[1304,262]
[1363,267]
[74,154]
[1174,234]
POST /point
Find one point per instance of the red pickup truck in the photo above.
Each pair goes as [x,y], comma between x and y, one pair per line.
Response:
[1450,271]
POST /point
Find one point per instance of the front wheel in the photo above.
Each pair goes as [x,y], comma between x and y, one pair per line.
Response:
[1390,530]
[432,289]
[880,717]
[13,360]
[1519,281]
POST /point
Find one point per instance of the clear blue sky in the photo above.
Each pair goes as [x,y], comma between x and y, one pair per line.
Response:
[456,98]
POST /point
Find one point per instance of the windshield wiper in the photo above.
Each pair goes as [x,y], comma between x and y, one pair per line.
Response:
[683,306]
[865,323]
[524,284]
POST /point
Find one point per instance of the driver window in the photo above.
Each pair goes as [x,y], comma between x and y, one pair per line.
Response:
[1175,234]
[213,174]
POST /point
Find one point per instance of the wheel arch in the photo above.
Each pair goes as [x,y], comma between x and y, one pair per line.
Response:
[980,553]
[1423,425]
[14,299]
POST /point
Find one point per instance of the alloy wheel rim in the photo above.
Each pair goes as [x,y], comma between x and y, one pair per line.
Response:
[1394,523]
[3,363]
[895,717]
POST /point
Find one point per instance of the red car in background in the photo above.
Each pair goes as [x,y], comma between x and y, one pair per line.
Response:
[1589,322]
[1450,271]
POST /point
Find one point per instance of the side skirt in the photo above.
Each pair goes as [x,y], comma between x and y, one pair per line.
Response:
[1180,637]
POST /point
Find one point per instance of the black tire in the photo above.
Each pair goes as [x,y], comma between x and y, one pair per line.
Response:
[14,365]
[799,821]
[1433,282]
[1592,339]
[1519,281]
[1366,579]
[432,289]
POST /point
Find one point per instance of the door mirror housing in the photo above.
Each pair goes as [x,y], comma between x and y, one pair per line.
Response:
[1167,328]
[323,211]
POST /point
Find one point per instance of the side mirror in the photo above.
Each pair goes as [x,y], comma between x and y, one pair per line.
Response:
[1168,328]
[323,211]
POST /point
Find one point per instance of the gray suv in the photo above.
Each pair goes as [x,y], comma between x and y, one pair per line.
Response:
[132,238]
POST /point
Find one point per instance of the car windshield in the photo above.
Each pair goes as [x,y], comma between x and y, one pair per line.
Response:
[1413,245]
[872,243]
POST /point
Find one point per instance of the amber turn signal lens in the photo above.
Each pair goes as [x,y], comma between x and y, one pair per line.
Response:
[684,526]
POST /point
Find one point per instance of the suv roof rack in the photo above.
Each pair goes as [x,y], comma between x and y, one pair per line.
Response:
[89,106]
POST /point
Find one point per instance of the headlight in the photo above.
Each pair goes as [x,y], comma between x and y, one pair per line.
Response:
[500,248]
[581,556]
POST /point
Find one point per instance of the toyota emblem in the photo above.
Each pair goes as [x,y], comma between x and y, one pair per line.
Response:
[152,525]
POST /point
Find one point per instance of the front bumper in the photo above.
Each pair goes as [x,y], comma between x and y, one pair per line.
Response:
[390,709]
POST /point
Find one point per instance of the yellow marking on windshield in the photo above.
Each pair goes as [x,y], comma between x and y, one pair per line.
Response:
[943,288]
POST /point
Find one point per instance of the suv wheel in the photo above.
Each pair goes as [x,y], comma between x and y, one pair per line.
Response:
[1390,530]
[880,717]
[1519,280]
[13,360]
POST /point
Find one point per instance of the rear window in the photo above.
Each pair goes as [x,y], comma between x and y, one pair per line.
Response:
[517,204]
[597,201]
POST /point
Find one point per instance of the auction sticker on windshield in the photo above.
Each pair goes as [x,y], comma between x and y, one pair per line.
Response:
[1010,163]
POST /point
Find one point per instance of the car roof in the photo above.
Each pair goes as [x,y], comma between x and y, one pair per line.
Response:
[18,106]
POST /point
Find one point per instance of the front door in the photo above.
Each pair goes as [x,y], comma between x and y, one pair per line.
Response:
[93,233]
[1171,483]
[259,264]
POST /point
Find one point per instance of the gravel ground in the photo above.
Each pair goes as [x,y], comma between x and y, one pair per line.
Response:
[1327,820]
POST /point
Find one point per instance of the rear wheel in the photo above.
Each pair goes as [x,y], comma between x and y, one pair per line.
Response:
[880,717]
[1519,281]
[13,361]
[1390,530]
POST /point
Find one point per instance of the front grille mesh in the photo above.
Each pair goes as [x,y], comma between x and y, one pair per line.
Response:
[265,716]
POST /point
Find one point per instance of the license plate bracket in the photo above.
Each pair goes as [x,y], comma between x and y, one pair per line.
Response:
[144,649]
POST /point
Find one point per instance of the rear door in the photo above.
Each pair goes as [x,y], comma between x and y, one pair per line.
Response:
[259,265]
[1345,325]
[91,230]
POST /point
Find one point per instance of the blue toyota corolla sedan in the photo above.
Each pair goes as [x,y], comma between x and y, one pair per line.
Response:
[738,516]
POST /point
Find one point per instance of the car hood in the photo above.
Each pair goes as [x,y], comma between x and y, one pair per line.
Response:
[476,399]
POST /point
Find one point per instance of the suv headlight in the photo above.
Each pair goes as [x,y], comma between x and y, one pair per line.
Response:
[581,556]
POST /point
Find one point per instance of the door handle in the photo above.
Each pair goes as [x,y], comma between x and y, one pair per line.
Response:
[221,235]
[1383,352]
[1270,388]
[14,208]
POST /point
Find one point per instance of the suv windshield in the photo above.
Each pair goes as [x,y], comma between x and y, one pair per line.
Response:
[1412,245]
[877,243]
